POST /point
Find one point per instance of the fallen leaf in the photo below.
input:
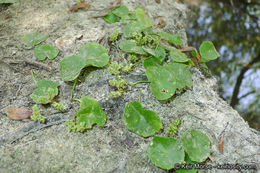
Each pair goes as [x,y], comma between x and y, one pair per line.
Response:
[221,143]
[161,24]
[18,113]
[75,8]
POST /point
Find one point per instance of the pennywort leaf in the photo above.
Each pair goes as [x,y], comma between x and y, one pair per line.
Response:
[110,18]
[133,27]
[71,66]
[142,17]
[43,51]
[91,54]
[121,11]
[90,113]
[178,56]
[44,93]
[208,51]
[165,152]
[158,53]
[174,39]
[32,39]
[166,79]
[196,144]
[130,46]
[141,121]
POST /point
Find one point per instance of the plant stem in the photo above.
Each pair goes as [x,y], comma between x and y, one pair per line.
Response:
[140,89]
[143,81]
[33,77]
[72,91]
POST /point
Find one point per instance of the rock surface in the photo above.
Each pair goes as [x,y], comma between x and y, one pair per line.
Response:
[31,147]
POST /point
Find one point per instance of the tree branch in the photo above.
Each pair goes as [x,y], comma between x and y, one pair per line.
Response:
[235,99]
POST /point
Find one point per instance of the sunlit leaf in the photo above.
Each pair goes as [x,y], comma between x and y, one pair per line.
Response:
[121,11]
[90,113]
[130,46]
[165,152]
[151,61]
[166,79]
[142,17]
[91,54]
[158,53]
[44,93]
[94,55]
[141,121]
[133,27]
[43,51]
[196,144]
[208,51]
[32,39]
[71,66]
[178,56]
[174,39]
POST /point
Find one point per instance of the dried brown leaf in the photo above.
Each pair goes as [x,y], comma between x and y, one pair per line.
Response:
[18,113]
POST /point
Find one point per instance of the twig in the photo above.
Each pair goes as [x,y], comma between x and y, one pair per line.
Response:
[32,62]
[117,3]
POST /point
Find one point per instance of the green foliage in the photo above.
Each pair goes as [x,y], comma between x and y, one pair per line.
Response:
[208,51]
[158,53]
[8,1]
[92,54]
[44,93]
[115,94]
[130,46]
[122,12]
[36,116]
[142,17]
[110,18]
[114,68]
[118,83]
[141,121]
[132,58]
[43,51]
[197,145]
[178,56]
[165,152]
[132,28]
[173,128]
[174,39]
[89,113]
[166,79]
[127,68]
[114,35]
[58,106]
[32,39]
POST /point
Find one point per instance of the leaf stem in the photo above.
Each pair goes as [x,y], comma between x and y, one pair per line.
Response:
[72,90]
[35,82]
[140,93]
[143,81]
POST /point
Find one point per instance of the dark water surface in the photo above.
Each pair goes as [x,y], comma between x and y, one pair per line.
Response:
[233,27]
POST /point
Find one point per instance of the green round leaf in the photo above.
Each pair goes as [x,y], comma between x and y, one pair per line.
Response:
[43,51]
[90,113]
[158,53]
[121,11]
[182,75]
[197,145]
[166,79]
[174,39]
[71,66]
[208,51]
[178,56]
[142,17]
[151,61]
[163,82]
[133,27]
[110,18]
[141,121]
[44,93]
[32,39]
[165,152]
[131,47]
[94,55]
